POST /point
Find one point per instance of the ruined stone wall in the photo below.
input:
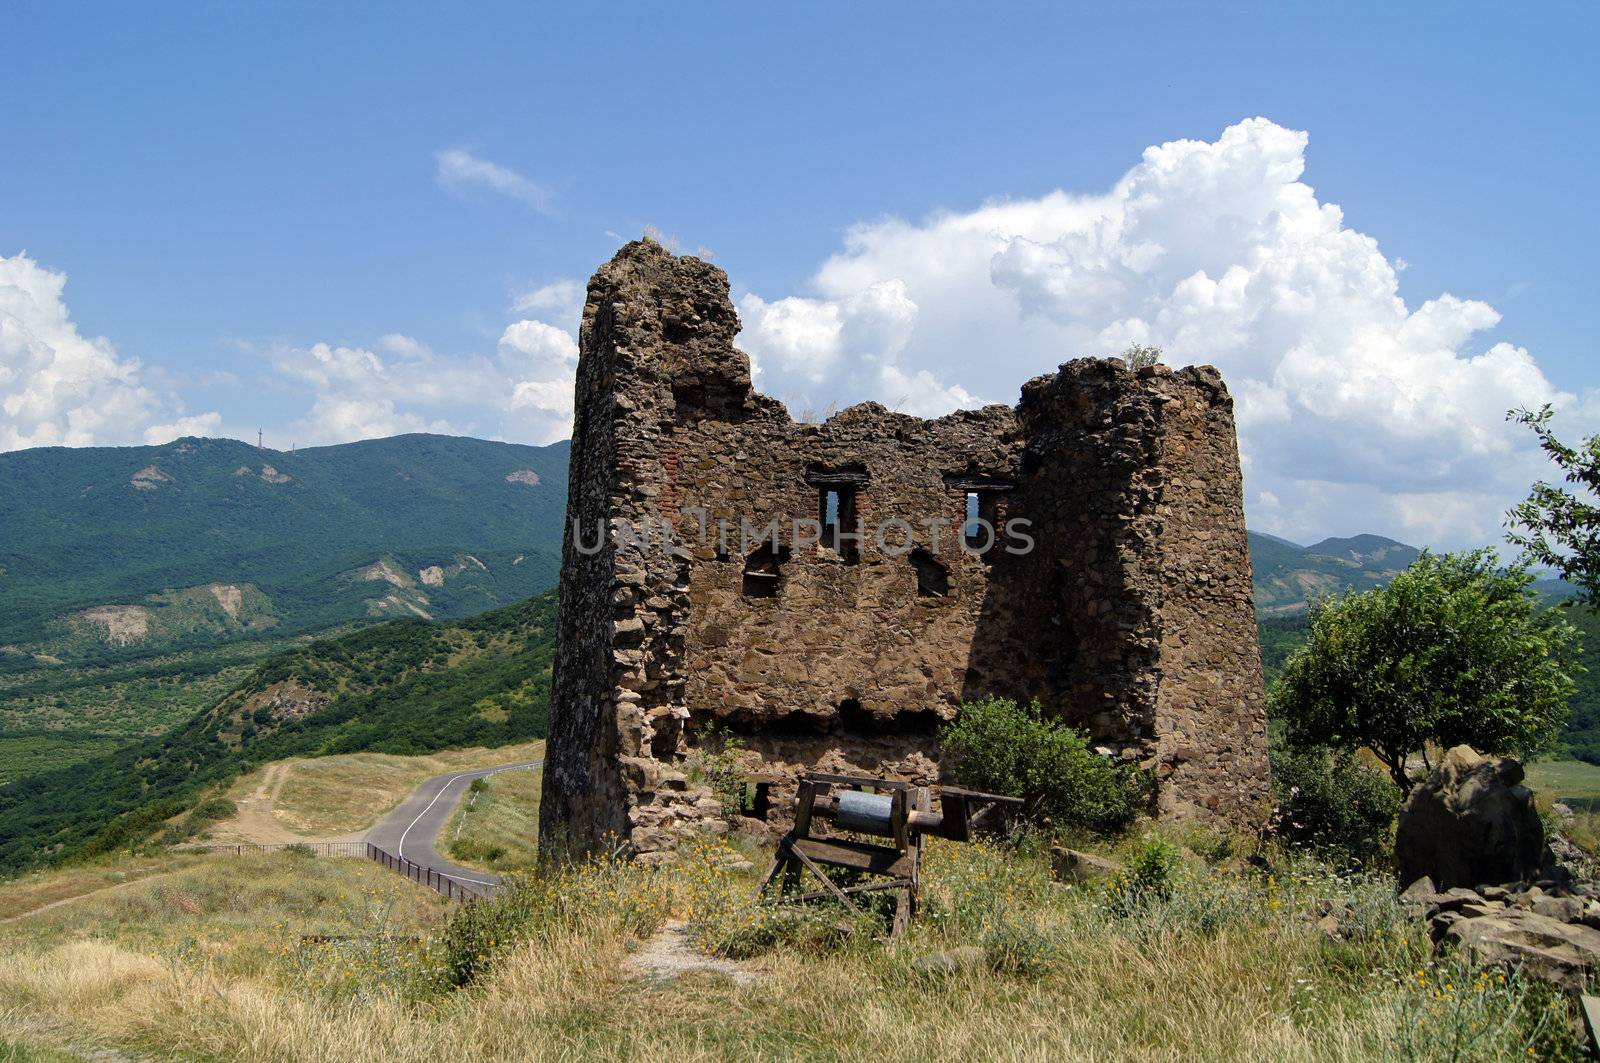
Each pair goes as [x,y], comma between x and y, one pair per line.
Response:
[1210,710]
[837,657]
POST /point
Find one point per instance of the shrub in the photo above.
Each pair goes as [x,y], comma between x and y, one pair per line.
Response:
[715,763]
[1149,877]
[213,809]
[1332,803]
[744,930]
[1020,951]
[1002,747]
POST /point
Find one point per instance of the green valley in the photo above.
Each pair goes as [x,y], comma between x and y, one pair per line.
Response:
[407,687]
[139,584]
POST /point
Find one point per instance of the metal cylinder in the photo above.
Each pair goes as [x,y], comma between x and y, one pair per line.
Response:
[865,813]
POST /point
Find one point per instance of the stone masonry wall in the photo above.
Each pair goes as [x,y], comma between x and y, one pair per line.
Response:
[1130,616]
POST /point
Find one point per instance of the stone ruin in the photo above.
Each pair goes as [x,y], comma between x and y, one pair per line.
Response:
[764,616]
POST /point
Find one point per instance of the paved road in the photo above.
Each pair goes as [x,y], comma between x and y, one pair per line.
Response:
[410,830]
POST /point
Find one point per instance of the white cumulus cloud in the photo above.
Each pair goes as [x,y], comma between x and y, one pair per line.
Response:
[61,388]
[1356,411]
[523,392]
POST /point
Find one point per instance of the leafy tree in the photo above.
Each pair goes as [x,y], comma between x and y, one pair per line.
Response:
[1554,527]
[1454,650]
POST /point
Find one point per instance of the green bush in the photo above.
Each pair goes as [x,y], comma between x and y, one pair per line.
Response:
[213,809]
[1149,877]
[1002,747]
[1020,951]
[1333,804]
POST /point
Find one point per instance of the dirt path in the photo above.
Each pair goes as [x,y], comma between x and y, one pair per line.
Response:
[670,953]
[257,825]
[75,898]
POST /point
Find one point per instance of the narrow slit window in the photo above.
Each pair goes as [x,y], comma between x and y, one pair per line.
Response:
[836,512]
[981,525]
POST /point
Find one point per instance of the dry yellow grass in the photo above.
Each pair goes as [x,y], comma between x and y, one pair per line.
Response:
[1233,973]
[38,889]
[339,797]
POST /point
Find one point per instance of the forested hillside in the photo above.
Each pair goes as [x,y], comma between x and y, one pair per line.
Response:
[1287,576]
[407,687]
[118,552]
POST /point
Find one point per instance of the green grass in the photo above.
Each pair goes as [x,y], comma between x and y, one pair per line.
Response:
[1566,780]
[496,827]
[17,1052]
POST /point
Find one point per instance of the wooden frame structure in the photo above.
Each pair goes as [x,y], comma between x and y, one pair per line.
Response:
[904,820]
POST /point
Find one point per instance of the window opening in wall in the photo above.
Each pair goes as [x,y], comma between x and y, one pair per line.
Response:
[755,799]
[762,570]
[933,579]
[982,507]
[836,512]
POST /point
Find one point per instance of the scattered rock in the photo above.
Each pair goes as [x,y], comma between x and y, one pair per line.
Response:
[1069,865]
[1559,952]
[1565,909]
[1471,821]
[1422,887]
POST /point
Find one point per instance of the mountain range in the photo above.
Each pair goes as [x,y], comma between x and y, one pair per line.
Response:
[109,552]
[1287,575]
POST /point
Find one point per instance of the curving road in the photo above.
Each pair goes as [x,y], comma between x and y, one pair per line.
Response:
[410,830]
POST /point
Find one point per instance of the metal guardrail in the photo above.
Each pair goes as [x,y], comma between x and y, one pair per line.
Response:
[312,848]
[456,889]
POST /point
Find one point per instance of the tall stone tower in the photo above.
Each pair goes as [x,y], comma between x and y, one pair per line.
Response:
[831,593]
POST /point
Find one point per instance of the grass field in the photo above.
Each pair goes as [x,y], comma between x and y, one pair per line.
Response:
[36,889]
[496,828]
[1563,779]
[1218,963]
[325,797]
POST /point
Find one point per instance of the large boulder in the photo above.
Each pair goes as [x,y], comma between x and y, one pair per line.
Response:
[1471,822]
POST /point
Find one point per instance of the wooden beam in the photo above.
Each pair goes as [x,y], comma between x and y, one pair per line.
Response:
[833,887]
[859,856]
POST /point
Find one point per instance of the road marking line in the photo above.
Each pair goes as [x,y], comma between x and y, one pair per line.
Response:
[442,791]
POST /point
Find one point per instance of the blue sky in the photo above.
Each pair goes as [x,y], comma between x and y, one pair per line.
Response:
[336,225]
